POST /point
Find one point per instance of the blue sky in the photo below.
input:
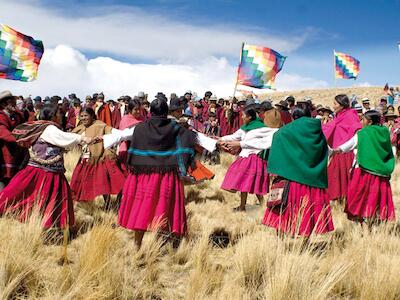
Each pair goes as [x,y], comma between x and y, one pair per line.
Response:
[305,31]
[368,30]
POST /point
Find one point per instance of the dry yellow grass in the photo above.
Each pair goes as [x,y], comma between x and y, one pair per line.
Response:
[104,263]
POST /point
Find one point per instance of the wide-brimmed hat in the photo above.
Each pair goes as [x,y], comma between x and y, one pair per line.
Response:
[213,98]
[6,95]
[391,115]
[391,112]
[365,100]
[358,107]
[327,109]
[282,104]
[175,105]
[272,118]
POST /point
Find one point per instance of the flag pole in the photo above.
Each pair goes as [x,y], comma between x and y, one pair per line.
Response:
[334,68]
[237,76]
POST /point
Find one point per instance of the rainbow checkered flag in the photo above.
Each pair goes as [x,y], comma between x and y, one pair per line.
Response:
[258,67]
[346,66]
[20,55]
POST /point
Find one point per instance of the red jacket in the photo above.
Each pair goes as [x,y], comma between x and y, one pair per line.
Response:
[11,155]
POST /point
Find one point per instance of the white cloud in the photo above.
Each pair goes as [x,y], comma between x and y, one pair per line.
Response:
[135,33]
[363,84]
[64,70]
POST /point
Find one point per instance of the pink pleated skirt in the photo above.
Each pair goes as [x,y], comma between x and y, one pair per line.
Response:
[369,196]
[92,180]
[153,202]
[34,188]
[307,211]
[339,175]
[247,174]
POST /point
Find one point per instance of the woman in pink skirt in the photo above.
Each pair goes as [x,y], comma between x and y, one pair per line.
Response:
[369,197]
[299,154]
[248,173]
[42,186]
[338,131]
[98,171]
[160,152]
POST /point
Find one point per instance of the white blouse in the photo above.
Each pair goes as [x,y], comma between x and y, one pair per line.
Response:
[59,138]
[253,141]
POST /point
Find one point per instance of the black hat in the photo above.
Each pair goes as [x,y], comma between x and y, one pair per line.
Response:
[290,99]
[208,94]
[175,105]
[161,96]
[266,105]
[283,104]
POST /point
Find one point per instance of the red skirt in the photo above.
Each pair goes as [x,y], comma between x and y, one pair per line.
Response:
[307,211]
[247,174]
[339,175]
[47,192]
[153,202]
[92,180]
[369,196]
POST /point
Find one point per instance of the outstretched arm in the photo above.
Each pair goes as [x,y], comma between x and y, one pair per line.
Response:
[117,136]
[59,138]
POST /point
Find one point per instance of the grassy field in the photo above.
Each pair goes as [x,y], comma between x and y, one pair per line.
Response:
[104,264]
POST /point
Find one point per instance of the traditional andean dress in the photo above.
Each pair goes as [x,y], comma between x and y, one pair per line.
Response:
[299,153]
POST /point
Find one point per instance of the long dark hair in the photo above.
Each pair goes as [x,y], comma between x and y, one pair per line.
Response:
[48,112]
[300,112]
[159,107]
[133,104]
[343,100]
[251,112]
[374,116]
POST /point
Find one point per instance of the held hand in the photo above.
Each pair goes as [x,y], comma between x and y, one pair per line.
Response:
[87,140]
[337,151]
[233,146]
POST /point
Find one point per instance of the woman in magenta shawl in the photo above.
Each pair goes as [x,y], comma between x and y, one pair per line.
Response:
[337,132]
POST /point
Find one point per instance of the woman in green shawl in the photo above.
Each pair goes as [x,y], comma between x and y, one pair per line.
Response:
[369,196]
[299,154]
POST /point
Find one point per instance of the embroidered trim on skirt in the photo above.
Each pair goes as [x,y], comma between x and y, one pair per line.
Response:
[307,211]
